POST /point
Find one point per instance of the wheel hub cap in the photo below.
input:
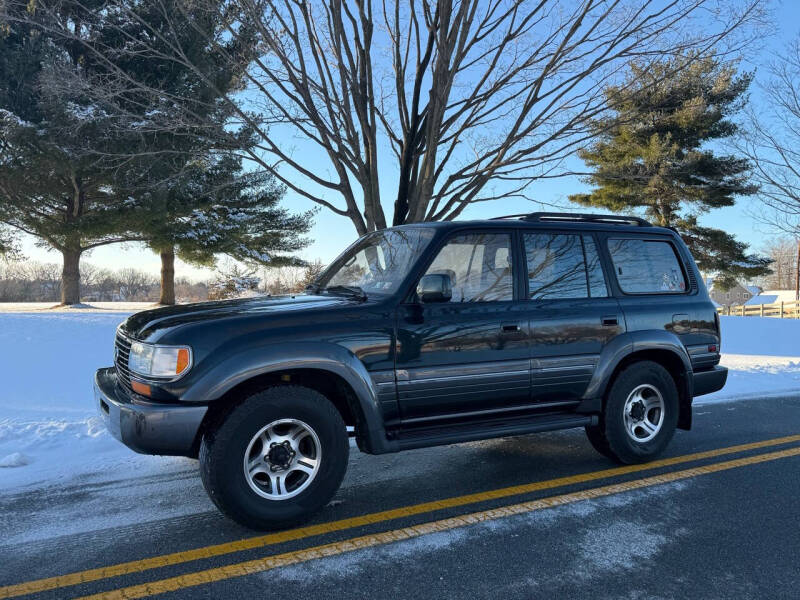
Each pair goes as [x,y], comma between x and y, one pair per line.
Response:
[282,459]
[637,411]
[644,413]
[280,455]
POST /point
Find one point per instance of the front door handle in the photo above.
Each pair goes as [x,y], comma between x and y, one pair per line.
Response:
[509,327]
[610,321]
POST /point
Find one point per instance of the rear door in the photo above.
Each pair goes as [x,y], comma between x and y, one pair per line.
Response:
[657,290]
[572,313]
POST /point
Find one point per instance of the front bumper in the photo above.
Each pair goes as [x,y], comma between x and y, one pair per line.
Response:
[709,381]
[147,428]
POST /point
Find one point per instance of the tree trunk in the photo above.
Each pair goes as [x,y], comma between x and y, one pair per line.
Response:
[167,276]
[71,277]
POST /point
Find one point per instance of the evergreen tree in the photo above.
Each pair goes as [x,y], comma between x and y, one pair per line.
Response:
[163,166]
[51,184]
[652,154]
[216,209]
[182,163]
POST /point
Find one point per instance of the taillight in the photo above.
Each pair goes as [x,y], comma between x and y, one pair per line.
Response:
[717,348]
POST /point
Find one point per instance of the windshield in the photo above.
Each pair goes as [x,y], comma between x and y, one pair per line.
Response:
[378,262]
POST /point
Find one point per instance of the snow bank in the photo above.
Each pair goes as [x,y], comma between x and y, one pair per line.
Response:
[763,336]
[49,430]
[48,427]
[762,356]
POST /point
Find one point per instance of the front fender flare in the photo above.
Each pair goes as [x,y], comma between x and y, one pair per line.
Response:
[243,366]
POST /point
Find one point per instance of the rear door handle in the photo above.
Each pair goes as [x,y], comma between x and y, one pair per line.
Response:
[510,327]
[610,321]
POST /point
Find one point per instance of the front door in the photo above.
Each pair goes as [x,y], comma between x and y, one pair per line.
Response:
[572,316]
[470,352]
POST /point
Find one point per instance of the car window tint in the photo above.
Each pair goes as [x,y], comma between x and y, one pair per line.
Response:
[556,267]
[594,269]
[479,266]
[646,266]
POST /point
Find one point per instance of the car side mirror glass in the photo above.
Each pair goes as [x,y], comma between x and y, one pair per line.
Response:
[435,288]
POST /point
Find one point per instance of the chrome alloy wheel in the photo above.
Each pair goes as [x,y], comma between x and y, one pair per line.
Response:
[282,459]
[644,413]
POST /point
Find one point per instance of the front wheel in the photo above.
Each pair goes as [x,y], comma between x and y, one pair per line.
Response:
[640,415]
[276,459]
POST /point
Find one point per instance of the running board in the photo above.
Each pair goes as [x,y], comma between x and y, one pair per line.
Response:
[440,435]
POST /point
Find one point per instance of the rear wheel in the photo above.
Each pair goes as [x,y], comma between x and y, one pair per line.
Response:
[640,415]
[276,459]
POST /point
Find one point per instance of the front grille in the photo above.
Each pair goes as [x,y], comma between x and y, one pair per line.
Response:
[122,352]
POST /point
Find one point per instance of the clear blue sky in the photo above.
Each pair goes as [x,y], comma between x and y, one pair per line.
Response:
[331,233]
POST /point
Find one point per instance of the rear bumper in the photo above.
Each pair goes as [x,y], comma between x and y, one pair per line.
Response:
[147,428]
[709,381]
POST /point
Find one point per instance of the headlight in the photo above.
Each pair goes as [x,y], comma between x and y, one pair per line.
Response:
[159,361]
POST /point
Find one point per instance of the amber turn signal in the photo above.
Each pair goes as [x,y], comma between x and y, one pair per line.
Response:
[140,388]
[182,362]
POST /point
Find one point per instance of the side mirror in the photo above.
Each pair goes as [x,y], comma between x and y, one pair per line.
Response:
[435,288]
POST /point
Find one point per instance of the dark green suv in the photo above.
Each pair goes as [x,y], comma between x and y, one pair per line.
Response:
[416,336]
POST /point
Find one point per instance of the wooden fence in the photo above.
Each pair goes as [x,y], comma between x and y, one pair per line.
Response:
[780,310]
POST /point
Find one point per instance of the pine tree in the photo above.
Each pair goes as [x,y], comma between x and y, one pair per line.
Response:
[217,209]
[653,154]
[51,185]
[183,164]
[169,164]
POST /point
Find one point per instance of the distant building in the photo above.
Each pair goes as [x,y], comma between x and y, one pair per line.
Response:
[772,297]
[754,289]
[736,296]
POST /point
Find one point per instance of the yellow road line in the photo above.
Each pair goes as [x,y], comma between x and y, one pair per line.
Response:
[136,566]
[260,565]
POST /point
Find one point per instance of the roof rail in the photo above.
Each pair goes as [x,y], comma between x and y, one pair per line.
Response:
[585,217]
[519,216]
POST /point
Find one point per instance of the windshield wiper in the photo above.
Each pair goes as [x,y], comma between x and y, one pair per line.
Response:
[346,290]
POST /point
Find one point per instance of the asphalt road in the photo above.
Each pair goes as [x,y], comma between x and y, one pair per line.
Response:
[720,518]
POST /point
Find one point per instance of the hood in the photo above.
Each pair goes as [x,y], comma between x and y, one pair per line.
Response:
[144,325]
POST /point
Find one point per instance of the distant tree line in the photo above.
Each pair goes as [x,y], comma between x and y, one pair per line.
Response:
[31,281]
[232,280]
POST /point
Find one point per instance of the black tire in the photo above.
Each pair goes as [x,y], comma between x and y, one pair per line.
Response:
[597,438]
[611,438]
[223,448]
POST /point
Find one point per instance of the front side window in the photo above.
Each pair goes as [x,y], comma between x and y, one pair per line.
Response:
[479,265]
[378,263]
[647,267]
[563,266]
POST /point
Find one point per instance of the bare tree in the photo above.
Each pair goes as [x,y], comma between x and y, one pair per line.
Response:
[782,251]
[134,283]
[772,142]
[472,100]
[90,275]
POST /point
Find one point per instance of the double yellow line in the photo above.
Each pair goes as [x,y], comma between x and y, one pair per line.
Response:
[271,562]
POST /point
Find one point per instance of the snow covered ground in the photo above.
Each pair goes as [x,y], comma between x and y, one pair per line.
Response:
[48,427]
[762,356]
[104,307]
[49,431]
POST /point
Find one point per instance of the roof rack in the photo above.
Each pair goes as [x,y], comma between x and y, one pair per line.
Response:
[519,216]
[585,217]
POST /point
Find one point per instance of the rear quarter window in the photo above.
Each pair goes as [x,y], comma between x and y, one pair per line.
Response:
[646,266]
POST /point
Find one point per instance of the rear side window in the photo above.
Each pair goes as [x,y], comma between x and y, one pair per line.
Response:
[646,266]
[563,266]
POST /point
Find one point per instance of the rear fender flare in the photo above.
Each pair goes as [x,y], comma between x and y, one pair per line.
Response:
[628,344]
